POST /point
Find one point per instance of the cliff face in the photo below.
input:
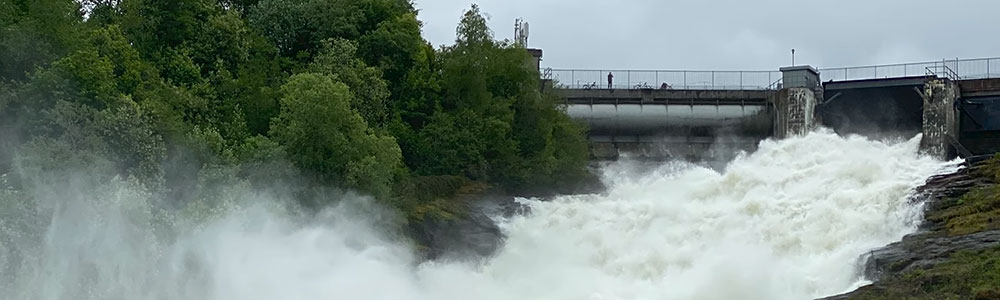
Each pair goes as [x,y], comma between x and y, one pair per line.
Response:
[956,254]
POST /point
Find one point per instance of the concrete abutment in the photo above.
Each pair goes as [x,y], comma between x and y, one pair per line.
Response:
[940,118]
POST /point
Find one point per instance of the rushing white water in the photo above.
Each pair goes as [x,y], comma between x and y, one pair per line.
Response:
[787,222]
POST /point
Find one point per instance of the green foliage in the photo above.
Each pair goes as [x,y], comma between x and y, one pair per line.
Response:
[420,92]
[83,76]
[394,47]
[342,93]
[966,275]
[298,27]
[337,58]
[977,210]
[322,134]
[128,68]
[492,120]
[155,25]
[35,33]
[257,85]
[75,136]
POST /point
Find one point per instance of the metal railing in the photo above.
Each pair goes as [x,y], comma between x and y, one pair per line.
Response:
[979,68]
[955,69]
[943,71]
[664,79]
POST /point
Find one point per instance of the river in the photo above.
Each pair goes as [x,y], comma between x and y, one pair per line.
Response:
[786,222]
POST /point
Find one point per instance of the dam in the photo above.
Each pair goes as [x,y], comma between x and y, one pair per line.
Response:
[700,115]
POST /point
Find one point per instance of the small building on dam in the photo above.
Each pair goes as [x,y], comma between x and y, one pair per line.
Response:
[707,115]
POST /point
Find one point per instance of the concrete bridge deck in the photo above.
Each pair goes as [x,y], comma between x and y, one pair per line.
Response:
[666,96]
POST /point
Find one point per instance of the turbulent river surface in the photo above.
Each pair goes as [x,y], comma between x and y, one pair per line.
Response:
[786,222]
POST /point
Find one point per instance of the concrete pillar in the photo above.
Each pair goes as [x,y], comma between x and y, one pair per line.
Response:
[536,58]
[940,127]
[794,111]
[647,95]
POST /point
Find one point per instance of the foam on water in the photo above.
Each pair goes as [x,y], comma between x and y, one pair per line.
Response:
[787,222]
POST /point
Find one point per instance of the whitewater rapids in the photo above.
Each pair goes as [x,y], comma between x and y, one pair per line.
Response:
[786,222]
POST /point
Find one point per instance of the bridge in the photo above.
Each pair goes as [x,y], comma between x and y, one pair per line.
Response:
[703,114]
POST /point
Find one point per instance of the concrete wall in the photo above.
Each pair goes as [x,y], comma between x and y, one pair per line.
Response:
[940,126]
[536,58]
[794,112]
[606,96]
[979,87]
[694,149]
[657,119]
[800,77]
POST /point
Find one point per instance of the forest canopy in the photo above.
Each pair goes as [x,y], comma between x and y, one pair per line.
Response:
[342,93]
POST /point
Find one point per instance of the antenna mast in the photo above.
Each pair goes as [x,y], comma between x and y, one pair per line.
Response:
[521,32]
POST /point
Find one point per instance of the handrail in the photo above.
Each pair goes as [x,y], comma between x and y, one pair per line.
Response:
[948,72]
[677,79]
[973,68]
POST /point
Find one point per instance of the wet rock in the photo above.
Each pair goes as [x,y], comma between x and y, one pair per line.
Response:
[472,235]
[932,245]
[924,250]
[919,251]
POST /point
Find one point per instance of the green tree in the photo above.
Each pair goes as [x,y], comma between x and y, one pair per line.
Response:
[36,33]
[298,27]
[493,121]
[258,83]
[74,135]
[337,58]
[323,135]
[394,46]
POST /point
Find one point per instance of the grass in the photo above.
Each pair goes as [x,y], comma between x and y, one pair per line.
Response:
[966,275]
[440,198]
[977,210]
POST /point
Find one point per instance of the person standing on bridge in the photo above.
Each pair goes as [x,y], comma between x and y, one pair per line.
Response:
[610,78]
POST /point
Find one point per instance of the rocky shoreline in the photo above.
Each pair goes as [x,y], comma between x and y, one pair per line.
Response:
[955,246]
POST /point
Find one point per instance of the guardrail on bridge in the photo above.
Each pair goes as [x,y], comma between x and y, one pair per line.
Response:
[979,68]
[665,79]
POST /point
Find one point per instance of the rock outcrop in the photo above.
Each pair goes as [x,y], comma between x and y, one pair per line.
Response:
[933,244]
[471,235]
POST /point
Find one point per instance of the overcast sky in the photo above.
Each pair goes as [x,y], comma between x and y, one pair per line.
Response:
[734,34]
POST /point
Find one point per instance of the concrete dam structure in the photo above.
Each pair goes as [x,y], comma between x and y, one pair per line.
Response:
[705,115]
[672,123]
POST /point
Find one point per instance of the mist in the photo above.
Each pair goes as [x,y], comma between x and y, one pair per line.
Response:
[785,222]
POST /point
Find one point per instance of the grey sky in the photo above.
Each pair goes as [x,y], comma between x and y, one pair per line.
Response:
[734,34]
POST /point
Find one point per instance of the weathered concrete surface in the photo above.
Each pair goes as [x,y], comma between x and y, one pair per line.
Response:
[657,148]
[630,120]
[940,121]
[800,77]
[794,112]
[876,83]
[980,87]
[665,123]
